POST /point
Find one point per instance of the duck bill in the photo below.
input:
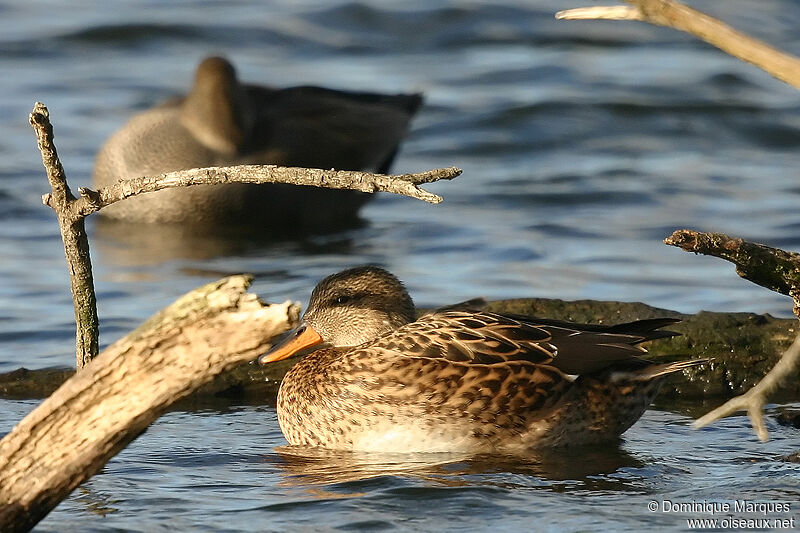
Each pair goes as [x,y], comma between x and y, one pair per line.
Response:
[296,341]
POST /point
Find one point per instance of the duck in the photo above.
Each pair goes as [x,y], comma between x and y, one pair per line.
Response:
[222,122]
[375,378]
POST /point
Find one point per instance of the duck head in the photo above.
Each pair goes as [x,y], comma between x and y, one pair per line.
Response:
[346,310]
[218,111]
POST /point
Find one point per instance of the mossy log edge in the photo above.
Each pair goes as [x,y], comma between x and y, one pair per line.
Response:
[744,347]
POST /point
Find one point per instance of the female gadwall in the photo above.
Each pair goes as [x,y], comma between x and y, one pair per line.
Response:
[224,122]
[456,381]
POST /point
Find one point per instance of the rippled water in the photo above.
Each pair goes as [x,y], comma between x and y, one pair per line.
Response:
[583,145]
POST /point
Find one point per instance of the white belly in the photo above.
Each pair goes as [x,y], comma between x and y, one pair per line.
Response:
[411,437]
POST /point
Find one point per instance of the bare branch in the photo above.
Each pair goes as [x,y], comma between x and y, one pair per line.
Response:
[76,242]
[773,268]
[97,412]
[675,15]
[405,184]
[753,400]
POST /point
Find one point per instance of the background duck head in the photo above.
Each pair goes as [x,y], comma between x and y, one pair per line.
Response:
[217,111]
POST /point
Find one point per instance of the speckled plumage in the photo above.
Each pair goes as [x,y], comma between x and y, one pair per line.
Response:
[224,122]
[460,380]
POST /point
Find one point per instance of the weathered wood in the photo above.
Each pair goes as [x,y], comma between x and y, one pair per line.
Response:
[753,401]
[102,408]
[773,268]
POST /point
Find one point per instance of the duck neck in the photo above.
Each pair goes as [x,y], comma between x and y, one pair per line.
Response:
[218,115]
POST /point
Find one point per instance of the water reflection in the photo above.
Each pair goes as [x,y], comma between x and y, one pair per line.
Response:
[133,245]
[94,501]
[594,468]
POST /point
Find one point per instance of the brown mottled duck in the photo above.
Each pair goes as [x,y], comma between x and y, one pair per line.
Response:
[456,380]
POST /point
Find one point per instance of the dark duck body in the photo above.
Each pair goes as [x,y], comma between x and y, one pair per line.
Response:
[224,122]
[457,380]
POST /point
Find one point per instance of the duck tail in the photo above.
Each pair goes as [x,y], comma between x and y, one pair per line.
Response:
[648,328]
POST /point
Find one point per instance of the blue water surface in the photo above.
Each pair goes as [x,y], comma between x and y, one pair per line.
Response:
[583,145]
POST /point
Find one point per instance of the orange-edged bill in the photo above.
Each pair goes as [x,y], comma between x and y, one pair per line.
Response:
[296,341]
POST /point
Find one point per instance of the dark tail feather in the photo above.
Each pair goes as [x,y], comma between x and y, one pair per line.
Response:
[648,328]
[645,330]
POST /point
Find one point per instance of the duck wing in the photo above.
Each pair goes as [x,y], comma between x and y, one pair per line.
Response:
[482,337]
[496,398]
[325,128]
[470,337]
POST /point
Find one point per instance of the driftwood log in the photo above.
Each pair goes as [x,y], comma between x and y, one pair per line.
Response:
[112,400]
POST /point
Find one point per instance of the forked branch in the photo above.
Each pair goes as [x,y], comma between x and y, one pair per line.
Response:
[76,242]
[72,211]
[753,400]
[405,184]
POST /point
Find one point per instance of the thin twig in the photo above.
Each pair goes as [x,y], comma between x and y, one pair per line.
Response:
[675,15]
[404,184]
[76,242]
[753,400]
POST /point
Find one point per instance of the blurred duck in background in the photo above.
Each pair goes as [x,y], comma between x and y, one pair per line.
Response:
[224,122]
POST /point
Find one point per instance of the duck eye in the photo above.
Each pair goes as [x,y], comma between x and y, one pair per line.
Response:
[342,299]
